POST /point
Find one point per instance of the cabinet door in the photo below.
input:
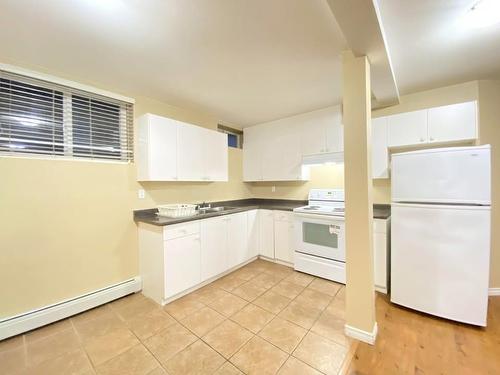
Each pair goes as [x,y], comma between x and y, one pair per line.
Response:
[252,155]
[454,122]
[380,154]
[157,149]
[380,260]
[290,155]
[215,155]
[271,153]
[253,234]
[408,128]
[313,134]
[335,131]
[182,264]
[266,247]
[237,239]
[213,247]
[283,241]
[190,152]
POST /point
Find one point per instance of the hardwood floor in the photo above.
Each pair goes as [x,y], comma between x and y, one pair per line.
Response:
[409,342]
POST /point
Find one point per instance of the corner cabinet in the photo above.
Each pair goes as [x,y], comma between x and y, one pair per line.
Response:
[439,126]
[170,150]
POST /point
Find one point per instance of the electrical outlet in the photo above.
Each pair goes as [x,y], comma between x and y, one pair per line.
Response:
[273,189]
[141,193]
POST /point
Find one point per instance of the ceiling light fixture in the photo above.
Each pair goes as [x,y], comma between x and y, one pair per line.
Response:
[483,13]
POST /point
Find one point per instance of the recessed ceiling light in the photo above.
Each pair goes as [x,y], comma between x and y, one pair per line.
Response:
[483,13]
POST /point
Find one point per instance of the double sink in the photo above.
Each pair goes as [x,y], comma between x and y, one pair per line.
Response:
[207,210]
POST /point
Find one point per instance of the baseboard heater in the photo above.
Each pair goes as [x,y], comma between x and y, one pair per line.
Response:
[27,321]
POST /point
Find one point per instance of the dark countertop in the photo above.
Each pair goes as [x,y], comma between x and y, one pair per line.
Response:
[380,211]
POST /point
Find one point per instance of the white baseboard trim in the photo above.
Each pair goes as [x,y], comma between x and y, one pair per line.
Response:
[27,321]
[494,291]
[358,334]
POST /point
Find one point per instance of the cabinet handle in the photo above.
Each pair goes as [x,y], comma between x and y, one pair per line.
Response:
[431,138]
[196,239]
[421,139]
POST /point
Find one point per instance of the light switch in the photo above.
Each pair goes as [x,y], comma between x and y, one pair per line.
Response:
[273,189]
[141,193]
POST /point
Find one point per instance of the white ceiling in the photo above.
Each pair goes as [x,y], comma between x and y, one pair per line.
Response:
[432,45]
[245,61]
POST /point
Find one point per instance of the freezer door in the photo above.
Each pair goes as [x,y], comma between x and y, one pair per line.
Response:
[449,175]
[440,260]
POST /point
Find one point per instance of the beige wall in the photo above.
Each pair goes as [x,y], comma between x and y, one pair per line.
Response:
[66,226]
[489,129]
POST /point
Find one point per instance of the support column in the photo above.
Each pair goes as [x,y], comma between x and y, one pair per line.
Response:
[360,292]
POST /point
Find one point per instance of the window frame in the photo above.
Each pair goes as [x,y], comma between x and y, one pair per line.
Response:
[232,131]
[70,88]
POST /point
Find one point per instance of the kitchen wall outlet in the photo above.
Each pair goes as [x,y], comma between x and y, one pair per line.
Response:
[273,189]
[141,193]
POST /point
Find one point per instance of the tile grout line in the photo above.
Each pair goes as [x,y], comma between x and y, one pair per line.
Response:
[304,287]
[80,342]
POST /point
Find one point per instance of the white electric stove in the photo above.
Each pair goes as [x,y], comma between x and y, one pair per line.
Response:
[319,235]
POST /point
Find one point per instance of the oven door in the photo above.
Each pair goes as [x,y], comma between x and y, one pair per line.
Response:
[320,235]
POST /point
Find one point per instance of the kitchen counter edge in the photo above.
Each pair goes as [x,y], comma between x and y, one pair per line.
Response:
[148,216]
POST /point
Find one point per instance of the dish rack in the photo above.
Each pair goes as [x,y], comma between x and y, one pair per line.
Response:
[177,210]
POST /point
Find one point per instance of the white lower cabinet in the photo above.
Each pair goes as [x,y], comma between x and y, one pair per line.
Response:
[283,236]
[213,247]
[236,243]
[381,234]
[182,264]
[253,233]
[177,258]
[266,236]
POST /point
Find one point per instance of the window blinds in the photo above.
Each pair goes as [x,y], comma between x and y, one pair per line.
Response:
[39,117]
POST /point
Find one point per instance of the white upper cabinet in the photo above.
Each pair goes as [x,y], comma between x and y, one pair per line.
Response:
[451,123]
[157,149]
[380,152]
[321,131]
[190,153]
[408,128]
[454,122]
[252,155]
[215,156]
[273,151]
[171,150]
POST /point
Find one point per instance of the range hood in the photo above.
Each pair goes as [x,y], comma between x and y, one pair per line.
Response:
[324,158]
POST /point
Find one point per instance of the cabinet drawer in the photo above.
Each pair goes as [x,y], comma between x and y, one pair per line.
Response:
[379,226]
[181,230]
[283,216]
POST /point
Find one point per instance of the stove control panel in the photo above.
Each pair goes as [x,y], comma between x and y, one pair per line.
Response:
[336,195]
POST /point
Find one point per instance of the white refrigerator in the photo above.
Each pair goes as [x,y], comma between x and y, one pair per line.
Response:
[440,232]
